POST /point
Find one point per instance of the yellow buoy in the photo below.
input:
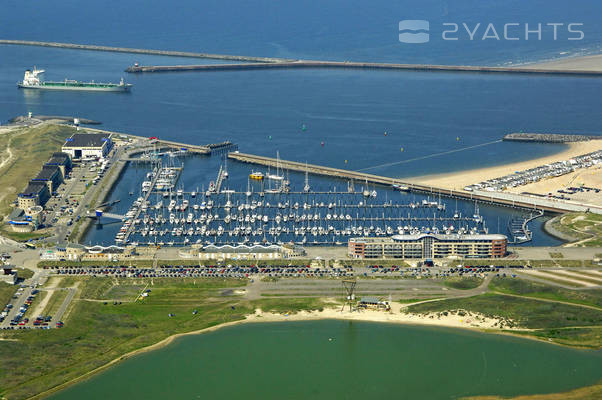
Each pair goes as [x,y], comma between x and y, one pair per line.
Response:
[402,149]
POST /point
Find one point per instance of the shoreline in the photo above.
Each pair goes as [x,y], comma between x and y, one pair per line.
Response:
[575,62]
[394,317]
[459,179]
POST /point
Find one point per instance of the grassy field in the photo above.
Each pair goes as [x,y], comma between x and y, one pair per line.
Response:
[97,333]
[462,283]
[54,302]
[526,288]
[30,149]
[587,227]
[528,313]
[22,236]
[6,293]
[24,273]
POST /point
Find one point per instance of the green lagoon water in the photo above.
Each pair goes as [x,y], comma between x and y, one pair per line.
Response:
[342,360]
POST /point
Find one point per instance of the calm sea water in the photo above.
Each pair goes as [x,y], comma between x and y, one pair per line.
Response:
[432,120]
[199,171]
[356,361]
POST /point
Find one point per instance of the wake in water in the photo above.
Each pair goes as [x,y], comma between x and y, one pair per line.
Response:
[428,156]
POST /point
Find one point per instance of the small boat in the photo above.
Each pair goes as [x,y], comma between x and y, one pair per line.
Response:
[258,176]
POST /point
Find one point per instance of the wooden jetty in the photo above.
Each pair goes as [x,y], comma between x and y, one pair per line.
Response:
[491,198]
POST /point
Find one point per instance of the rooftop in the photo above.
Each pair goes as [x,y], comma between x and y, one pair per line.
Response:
[59,158]
[370,300]
[87,140]
[33,189]
[47,172]
[17,215]
[241,249]
[437,236]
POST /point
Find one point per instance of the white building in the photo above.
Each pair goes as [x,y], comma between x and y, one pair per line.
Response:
[88,145]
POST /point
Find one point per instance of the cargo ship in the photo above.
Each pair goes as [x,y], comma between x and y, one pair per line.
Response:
[31,80]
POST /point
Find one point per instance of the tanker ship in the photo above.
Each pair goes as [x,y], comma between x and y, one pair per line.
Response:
[31,80]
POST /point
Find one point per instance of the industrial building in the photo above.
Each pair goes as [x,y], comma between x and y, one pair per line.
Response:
[427,245]
[35,194]
[62,161]
[88,145]
[51,175]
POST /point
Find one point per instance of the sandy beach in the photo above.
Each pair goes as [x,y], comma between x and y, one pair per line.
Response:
[460,179]
[584,63]
[396,315]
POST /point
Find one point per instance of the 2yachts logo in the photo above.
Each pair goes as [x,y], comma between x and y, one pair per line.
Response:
[417,31]
[414,31]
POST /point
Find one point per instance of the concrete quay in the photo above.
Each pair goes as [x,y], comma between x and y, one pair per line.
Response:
[549,137]
[359,65]
[170,53]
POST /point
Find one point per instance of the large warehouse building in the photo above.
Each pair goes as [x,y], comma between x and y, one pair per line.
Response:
[428,245]
[88,145]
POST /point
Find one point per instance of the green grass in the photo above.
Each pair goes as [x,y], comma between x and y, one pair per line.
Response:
[31,148]
[23,236]
[583,226]
[6,293]
[527,288]
[289,305]
[24,273]
[556,255]
[463,283]
[527,313]
[55,301]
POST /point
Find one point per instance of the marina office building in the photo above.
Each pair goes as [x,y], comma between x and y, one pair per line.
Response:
[427,245]
[88,145]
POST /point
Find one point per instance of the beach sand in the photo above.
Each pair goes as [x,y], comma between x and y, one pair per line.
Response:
[458,180]
[590,177]
[396,315]
[584,63]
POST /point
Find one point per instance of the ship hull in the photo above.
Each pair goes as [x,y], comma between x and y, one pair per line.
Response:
[78,88]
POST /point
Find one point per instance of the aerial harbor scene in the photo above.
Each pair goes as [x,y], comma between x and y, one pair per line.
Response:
[265,199]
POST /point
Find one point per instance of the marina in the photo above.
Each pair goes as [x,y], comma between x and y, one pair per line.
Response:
[275,209]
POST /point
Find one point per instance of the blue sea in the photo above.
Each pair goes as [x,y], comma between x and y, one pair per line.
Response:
[432,120]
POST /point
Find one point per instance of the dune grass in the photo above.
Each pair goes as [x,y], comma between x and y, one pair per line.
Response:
[31,147]
[463,283]
[522,287]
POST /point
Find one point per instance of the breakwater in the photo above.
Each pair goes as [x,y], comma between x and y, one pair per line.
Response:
[357,65]
[170,53]
[549,137]
[252,62]
[502,199]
